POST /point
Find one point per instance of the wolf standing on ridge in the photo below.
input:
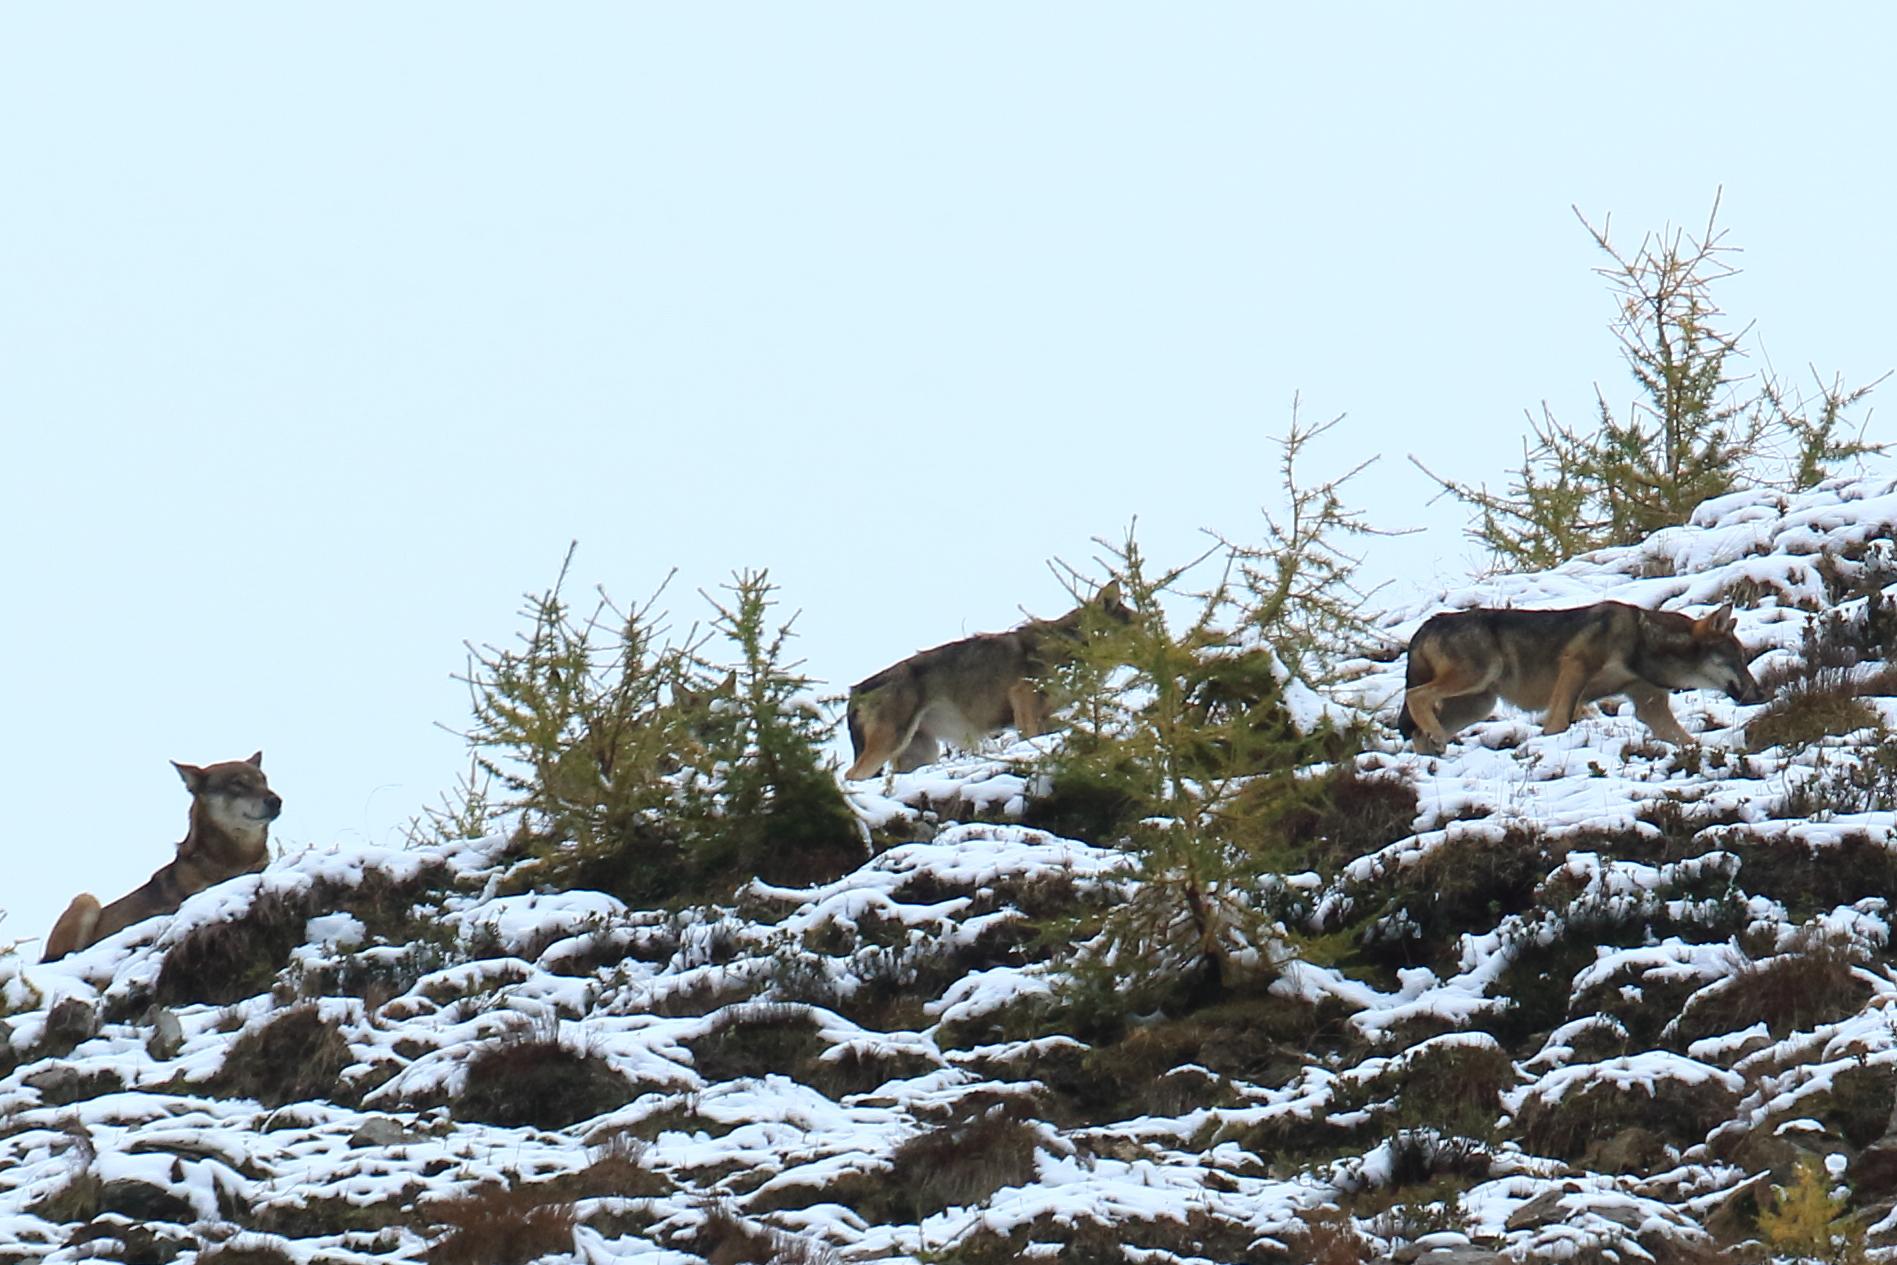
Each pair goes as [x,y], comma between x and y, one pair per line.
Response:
[1461,662]
[965,689]
[232,807]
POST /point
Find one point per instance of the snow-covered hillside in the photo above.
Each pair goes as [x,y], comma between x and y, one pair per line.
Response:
[1581,997]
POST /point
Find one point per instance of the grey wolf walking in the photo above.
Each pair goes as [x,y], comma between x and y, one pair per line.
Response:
[958,692]
[1554,661]
[232,807]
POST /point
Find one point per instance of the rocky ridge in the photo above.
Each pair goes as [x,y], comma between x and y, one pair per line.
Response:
[1583,997]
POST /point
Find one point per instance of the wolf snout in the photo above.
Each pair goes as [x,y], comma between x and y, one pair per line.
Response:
[272,806]
[1747,691]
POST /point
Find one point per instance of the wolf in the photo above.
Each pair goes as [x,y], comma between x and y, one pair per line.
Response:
[965,689]
[1554,661]
[232,807]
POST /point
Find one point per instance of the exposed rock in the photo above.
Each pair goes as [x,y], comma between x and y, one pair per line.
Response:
[1874,1172]
[1542,1209]
[55,1081]
[382,1131]
[1632,1150]
[1444,1249]
[143,1200]
[167,1034]
[71,1021]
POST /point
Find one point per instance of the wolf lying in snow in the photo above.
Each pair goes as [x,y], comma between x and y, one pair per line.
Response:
[1461,662]
[232,807]
[965,689]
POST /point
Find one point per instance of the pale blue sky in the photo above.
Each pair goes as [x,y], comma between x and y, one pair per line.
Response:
[323,329]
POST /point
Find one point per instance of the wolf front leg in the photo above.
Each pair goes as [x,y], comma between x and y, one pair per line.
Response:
[1030,706]
[1653,705]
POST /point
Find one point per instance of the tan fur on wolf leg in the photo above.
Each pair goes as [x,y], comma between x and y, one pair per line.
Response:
[1424,703]
[74,930]
[1030,707]
[1655,709]
[1564,700]
[879,746]
[1425,700]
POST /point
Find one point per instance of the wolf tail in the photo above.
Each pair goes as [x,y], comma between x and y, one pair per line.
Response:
[856,728]
[1414,666]
[74,929]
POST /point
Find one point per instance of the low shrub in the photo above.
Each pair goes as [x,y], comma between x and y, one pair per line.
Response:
[1357,813]
[1417,913]
[1857,781]
[1813,981]
[724,1238]
[246,1249]
[295,1057]
[529,1079]
[1842,658]
[960,1162]
[1327,1236]
[984,1143]
[757,1039]
[1803,717]
[1453,1083]
[617,1169]
[1570,1113]
[223,962]
[499,1225]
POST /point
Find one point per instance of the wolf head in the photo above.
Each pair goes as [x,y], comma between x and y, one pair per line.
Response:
[1103,609]
[1107,601]
[1716,660]
[232,796]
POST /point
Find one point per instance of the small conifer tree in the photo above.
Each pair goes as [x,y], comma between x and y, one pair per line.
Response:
[466,812]
[1807,1222]
[1300,598]
[1697,428]
[777,808]
[1182,746]
[626,762]
[573,722]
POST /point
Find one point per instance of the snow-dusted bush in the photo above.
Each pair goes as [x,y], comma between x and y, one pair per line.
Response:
[296,1055]
[639,767]
[499,1225]
[530,1077]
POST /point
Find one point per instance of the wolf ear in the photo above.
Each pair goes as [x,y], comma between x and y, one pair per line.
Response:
[1109,596]
[193,776]
[256,758]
